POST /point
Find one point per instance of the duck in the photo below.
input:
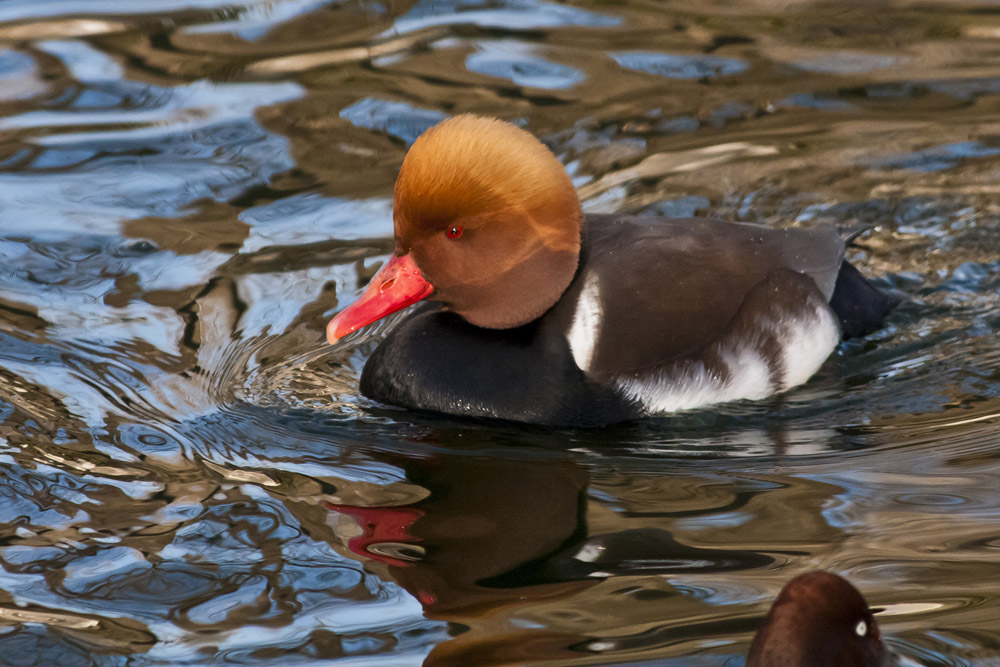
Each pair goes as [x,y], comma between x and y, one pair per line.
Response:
[526,309]
[819,619]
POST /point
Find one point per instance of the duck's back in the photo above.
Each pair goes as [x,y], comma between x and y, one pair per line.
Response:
[663,289]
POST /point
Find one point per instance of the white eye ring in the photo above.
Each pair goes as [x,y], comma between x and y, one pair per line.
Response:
[861,628]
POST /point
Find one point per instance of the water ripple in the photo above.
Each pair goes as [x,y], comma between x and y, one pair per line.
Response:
[190,189]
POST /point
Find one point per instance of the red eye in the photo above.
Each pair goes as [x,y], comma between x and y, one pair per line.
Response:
[453,232]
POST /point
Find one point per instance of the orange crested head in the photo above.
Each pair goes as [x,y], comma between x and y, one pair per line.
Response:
[486,221]
[490,217]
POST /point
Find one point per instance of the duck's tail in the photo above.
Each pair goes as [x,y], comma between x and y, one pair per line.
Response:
[860,306]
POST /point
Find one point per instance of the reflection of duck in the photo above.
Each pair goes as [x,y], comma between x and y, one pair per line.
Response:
[481,519]
[549,316]
[819,620]
[496,535]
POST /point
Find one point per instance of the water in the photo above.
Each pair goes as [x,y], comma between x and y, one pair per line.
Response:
[190,189]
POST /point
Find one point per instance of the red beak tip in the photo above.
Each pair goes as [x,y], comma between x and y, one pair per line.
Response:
[397,285]
[334,333]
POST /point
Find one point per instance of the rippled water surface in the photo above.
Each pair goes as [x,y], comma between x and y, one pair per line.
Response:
[189,189]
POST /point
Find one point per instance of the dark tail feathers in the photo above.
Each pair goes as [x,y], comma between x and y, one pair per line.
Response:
[860,306]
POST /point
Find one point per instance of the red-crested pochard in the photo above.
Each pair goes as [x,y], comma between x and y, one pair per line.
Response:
[819,620]
[538,313]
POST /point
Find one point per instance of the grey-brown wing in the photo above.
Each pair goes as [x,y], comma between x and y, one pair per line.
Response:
[669,288]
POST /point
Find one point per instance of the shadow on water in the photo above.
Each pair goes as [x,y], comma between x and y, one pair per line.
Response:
[189,190]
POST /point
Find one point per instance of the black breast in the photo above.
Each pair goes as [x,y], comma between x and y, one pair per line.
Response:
[434,360]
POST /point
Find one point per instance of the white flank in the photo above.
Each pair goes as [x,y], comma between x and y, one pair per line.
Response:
[694,387]
[583,333]
[749,375]
[806,341]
